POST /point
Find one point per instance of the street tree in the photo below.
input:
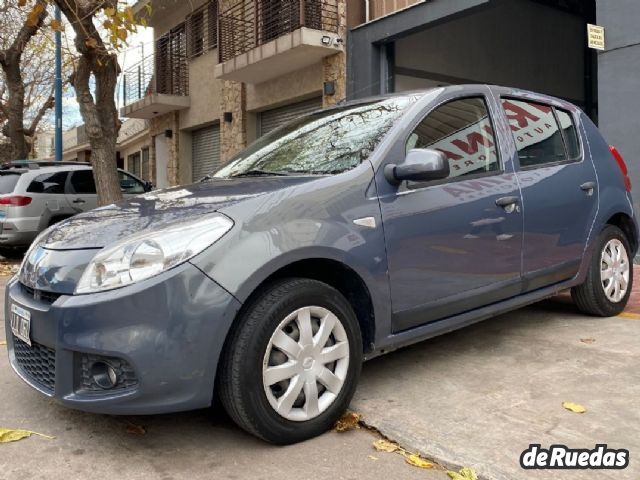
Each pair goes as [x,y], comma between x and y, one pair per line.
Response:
[26,89]
[100,29]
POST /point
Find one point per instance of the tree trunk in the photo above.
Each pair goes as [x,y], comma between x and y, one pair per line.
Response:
[98,110]
[15,108]
[10,62]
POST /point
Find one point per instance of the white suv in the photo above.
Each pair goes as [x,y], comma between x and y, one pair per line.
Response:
[34,195]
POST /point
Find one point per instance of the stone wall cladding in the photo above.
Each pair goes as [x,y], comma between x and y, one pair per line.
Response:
[335,66]
[233,135]
[159,126]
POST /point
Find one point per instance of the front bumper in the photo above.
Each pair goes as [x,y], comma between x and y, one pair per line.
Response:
[168,331]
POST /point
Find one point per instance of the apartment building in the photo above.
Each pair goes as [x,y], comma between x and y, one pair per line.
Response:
[132,149]
[225,72]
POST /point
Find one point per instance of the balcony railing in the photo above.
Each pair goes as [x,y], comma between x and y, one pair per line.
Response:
[250,23]
[166,74]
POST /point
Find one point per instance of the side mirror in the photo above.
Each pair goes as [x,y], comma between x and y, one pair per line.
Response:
[148,186]
[421,165]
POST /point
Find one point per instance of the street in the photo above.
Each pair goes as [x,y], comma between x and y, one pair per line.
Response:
[477,397]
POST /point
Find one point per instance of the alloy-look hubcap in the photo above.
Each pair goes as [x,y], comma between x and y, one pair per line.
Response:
[306,363]
[614,270]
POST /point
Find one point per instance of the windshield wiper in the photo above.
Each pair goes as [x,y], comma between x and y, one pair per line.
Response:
[259,173]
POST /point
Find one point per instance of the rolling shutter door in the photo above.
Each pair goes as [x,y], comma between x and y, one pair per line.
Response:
[272,119]
[205,151]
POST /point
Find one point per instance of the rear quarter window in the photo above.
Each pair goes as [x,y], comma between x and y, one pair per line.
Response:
[8,182]
[51,183]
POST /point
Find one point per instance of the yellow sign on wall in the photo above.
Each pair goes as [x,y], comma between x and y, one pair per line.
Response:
[595,35]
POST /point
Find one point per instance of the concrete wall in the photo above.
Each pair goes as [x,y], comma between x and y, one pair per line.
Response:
[169,13]
[204,92]
[618,82]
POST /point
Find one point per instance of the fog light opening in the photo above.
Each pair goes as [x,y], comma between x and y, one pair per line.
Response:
[104,375]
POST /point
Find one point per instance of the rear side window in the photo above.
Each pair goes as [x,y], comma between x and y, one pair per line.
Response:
[462,130]
[536,132]
[51,183]
[570,134]
[82,182]
[8,182]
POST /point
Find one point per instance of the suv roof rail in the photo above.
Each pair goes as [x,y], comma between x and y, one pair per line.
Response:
[34,164]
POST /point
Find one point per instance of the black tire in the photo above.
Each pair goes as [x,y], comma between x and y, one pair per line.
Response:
[240,377]
[590,297]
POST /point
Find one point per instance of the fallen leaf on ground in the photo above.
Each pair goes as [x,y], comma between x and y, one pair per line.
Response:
[588,340]
[375,459]
[136,429]
[574,407]
[8,435]
[347,422]
[417,461]
[464,474]
[383,445]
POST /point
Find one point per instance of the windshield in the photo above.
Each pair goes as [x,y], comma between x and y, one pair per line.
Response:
[326,142]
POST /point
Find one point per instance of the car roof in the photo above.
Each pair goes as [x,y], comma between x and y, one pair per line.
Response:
[471,88]
[39,168]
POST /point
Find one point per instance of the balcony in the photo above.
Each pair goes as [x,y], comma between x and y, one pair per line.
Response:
[263,39]
[157,85]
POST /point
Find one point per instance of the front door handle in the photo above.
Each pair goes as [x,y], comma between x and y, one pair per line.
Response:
[588,187]
[79,201]
[510,204]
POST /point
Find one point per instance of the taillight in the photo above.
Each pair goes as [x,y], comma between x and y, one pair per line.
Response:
[623,167]
[15,200]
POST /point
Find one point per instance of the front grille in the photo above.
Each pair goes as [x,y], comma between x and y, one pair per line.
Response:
[37,362]
[40,295]
[126,376]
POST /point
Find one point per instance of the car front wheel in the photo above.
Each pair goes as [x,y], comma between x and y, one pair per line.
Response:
[292,362]
[607,288]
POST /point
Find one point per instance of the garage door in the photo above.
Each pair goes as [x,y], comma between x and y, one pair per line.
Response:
[272,119]
[206,151]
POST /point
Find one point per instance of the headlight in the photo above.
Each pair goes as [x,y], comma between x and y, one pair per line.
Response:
[146,254]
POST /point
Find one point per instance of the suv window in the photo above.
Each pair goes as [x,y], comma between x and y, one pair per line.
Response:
[462,130]
[130,185]
[52,183]
[8,182]
[536,132]
[82,182]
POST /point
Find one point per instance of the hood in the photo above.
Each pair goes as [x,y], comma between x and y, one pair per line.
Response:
[155,210]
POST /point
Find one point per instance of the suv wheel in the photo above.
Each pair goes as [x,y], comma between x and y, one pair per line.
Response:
[607,288]
[292,363]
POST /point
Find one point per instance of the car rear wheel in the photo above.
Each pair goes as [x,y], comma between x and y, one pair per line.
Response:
[292,362]
[607,287]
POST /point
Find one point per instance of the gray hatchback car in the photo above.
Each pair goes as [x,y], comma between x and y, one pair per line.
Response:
[343,235]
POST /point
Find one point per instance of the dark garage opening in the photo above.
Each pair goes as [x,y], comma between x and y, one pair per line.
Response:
[538,45]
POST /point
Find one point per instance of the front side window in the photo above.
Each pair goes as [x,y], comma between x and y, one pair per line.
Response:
[323,143]
[462,130]
[538,138]
[82,182]
[51,183]
[130,185]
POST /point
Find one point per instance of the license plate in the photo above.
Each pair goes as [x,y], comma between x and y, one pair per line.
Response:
[21,323]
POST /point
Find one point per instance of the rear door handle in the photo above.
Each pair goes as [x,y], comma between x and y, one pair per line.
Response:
[79,201]
[588,187]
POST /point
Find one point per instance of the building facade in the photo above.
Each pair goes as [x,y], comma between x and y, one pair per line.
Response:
[225,72]
[133,147]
